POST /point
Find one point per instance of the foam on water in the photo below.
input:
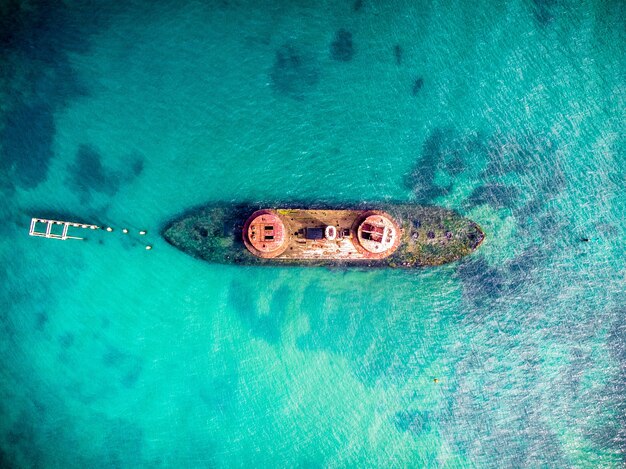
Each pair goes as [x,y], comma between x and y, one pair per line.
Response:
[114,356]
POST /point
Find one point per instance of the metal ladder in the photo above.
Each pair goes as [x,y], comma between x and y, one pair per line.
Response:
[49,224]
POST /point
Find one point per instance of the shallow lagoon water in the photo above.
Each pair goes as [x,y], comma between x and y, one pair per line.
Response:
[112,356]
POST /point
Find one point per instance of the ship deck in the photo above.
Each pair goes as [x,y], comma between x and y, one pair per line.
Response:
[303,225]
[425,235]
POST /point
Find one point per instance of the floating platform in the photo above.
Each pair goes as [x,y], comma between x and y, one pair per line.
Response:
[56,229]
[378,236]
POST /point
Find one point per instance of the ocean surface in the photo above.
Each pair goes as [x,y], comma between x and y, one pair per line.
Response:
[127,114]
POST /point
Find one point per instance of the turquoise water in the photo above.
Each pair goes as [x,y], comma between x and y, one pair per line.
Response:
[512,114]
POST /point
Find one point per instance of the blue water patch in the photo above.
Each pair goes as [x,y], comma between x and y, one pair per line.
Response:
[126,116]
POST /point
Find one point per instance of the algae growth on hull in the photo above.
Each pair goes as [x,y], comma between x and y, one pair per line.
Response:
[429,236]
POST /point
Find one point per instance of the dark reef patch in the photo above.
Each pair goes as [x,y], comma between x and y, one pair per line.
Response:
[496,195]
[543,11]
[617,339]
[218,391]
[438,147]
[294,72]
[417,86]
[527,154]
[45,30]
[5,460]
[613,433]
[113,357]
[397,54]
[41,319]
[523,439]
[503,307]
[422,179]
[314,309]
[132,374]
[357,5]
[413,421]
[445,152]
[23,439]
[35,42]
[527,262]
[455,165]
[9,26]
[67,340]
[481,282]
[342,47]
[523,157]
[607,230]
[264,326]
[129,366]
[323,321]
[88,174]
[280,302]
[137,166]
[356,335]
[122,445]
[27,139]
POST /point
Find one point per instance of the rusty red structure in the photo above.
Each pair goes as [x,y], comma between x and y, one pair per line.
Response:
[321,234]
[265,234]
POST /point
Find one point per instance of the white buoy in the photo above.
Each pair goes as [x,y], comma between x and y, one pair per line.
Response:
[148,247]
[142,232]
[109,229]
[124,230]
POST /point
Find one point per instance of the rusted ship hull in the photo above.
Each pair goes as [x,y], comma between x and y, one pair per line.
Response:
[374,236]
